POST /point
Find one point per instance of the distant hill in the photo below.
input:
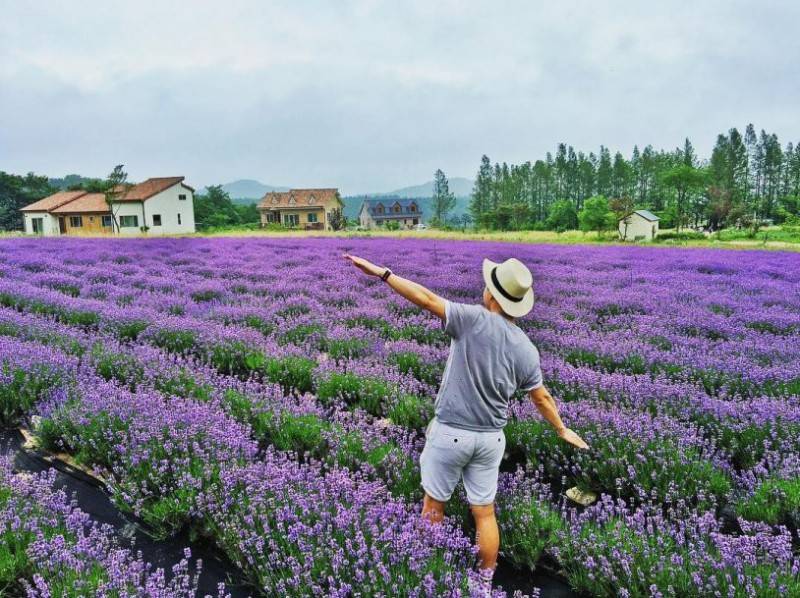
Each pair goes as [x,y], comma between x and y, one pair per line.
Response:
[352,205]
[70,180]
[247,190]
[459,186]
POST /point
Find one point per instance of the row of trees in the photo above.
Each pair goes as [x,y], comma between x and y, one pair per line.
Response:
[748,179]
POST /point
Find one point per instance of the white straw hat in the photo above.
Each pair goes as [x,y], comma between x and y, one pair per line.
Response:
[511,284]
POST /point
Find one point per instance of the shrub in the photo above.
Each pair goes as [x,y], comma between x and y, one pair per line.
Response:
[774,501]
[527,520]
[21,388]
[633,468]
[332,531]
[408,361]
[368,393]
[411,411]
[292,372]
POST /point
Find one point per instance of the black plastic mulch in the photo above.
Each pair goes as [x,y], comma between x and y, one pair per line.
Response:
[93,500]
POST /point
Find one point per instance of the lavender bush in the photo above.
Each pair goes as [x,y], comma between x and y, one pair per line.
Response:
[261,392]
[49,548]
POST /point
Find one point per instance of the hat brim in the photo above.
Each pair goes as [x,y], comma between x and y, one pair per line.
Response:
[515,309]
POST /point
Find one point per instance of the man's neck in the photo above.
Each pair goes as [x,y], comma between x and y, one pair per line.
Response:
[502,313]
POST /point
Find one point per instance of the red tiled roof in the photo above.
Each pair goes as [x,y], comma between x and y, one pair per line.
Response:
[53,201]
[91,202]
[149,188]
[298,198]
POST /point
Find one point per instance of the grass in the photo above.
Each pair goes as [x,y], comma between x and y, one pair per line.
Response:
[774,237]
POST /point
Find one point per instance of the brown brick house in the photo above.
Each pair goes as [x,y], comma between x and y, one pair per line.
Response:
[308,209]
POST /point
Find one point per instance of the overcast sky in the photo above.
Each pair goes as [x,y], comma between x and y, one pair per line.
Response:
[371,96]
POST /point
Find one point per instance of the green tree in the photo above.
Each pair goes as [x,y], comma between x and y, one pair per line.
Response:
[16,192]
[214,208]
[443,201]
[115,187]
[563,216]
[687,181]
[622,208]
[247,213]
[338,220]
[596,215]
[480,203]
[605,173]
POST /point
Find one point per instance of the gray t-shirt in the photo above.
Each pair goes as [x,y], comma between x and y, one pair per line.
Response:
[490,359]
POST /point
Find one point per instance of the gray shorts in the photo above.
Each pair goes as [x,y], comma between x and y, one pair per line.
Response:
[451,454]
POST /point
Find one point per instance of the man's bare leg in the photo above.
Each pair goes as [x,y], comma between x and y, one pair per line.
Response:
[432,509]
[487,536]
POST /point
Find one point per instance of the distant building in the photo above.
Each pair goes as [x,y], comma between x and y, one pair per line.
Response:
[641,225]
[377,212]
[158,206]
[309,209]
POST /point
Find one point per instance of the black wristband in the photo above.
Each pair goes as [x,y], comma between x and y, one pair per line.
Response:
[386,275]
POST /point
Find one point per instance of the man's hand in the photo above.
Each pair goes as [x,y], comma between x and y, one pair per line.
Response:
[571,437]
[365,265]
[416,293]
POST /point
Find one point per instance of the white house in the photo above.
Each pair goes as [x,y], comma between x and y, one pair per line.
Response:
[38,218]
[157,206]
[640,225]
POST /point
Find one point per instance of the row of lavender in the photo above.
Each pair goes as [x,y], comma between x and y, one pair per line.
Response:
[278,312]
[189,457]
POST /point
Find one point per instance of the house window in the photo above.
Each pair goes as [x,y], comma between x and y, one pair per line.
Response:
[107,221]
[76,221]
[179,219]
[128,221]
[37,225]
[291,219]
[182,196]
[397,208]
[156,219]
[312,217]
[412,208]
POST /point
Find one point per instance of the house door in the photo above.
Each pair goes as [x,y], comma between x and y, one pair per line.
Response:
[38,225]
[62,225]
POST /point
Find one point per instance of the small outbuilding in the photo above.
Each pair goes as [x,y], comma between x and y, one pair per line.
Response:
[639,225]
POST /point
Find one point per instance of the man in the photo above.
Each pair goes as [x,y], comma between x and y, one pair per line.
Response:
[490,359]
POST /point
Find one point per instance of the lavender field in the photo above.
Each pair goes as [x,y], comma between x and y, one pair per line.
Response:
[265,397]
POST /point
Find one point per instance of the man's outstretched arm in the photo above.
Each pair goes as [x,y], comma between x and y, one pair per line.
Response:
[416,293]
[546,405]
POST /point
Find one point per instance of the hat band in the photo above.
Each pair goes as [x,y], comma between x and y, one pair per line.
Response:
[500,288]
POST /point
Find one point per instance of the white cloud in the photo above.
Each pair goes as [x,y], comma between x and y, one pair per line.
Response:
[372,95]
